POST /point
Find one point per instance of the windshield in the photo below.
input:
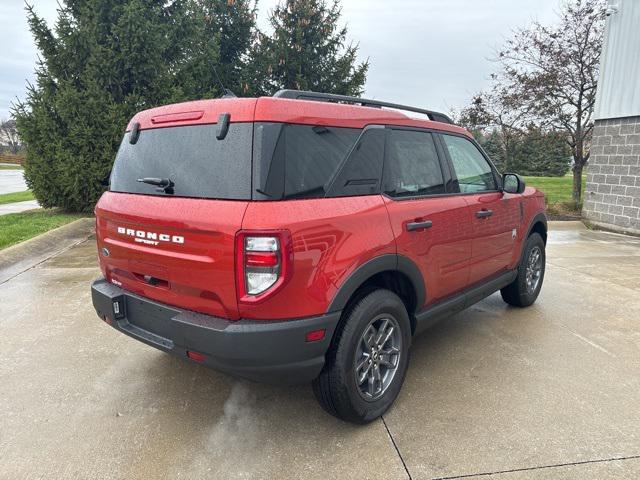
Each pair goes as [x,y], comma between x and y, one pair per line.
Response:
[187,161]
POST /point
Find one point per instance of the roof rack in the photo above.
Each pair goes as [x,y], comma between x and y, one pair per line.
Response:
[365,102]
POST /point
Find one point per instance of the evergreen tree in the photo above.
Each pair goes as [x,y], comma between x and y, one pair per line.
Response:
[104,61]
[221,34]
[308,51]
[495,149]
[541,153]
[530,152]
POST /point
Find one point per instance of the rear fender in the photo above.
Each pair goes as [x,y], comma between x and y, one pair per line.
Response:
[383,263]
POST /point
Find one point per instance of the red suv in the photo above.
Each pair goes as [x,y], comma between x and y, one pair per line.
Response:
[308,237]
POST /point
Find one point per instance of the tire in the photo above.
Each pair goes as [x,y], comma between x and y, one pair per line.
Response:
[337,388]
[522,292]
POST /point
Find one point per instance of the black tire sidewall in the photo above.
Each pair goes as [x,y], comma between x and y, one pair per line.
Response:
[534,240]
[376,303]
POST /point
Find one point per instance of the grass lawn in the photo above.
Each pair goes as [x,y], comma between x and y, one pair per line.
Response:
[17,227]
[16,197]
[10,167]
[556,189]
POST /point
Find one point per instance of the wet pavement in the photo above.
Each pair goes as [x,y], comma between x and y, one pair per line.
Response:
[551,391]
[12,181]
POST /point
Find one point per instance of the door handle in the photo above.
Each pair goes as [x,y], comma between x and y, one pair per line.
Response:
[413,226]
[484,213]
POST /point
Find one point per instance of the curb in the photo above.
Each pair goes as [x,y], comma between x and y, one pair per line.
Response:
[603,227]
[25,255]
[576,224]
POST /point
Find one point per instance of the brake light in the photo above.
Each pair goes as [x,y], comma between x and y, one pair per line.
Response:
[263,263]
[269,259]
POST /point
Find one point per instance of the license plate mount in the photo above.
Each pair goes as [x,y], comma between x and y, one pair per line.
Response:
[118,304]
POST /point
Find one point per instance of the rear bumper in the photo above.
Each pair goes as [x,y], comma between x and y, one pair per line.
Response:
[264,351]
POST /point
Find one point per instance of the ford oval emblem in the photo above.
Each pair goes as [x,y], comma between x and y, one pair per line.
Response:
[105,251]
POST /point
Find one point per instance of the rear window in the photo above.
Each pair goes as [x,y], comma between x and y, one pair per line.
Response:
[299,161]
[197,163]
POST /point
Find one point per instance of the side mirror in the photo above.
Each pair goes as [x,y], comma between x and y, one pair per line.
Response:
[512,183]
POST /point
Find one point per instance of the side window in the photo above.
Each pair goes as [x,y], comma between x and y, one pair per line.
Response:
[472,169]
[361,172]
[312,155]
[411,165]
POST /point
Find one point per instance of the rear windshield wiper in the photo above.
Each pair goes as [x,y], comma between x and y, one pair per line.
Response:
[166,185]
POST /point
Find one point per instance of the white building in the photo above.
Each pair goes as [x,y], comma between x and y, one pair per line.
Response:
[612,194]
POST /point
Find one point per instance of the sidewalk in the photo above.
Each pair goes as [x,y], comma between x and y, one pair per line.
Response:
[18,207]
[12,181]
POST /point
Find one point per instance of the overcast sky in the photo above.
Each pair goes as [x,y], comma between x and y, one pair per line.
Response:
[428,53]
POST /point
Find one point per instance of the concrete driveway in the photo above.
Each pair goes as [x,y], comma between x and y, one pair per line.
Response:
[552,391]
[12,181]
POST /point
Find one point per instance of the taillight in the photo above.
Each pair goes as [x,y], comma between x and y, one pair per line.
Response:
[263,263]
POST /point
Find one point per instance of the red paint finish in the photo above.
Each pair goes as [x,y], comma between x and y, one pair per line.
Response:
[331,238]
[441,252]
[198,274]
[189,253]
[495,237]
[268,109]
[195,113]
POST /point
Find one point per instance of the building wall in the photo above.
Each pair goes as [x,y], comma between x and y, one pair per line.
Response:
[612,193]
[618,92]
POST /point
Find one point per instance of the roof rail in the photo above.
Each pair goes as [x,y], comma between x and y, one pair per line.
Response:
[330,97]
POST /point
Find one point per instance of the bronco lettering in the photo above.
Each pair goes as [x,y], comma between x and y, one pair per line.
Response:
[150,238]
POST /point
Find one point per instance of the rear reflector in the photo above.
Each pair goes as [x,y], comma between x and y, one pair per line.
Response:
[196,357]
[315,335]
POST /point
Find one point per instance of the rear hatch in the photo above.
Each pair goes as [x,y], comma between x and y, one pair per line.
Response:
[171,237]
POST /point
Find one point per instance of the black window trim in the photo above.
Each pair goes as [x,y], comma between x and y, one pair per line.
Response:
[494,171]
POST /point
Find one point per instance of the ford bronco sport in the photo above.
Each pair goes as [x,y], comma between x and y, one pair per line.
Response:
[308,237]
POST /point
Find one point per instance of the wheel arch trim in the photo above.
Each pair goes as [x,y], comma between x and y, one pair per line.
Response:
[382,263]
[539,218]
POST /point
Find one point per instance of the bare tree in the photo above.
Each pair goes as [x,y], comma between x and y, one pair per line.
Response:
[549,75]
[9,136]
[497,111]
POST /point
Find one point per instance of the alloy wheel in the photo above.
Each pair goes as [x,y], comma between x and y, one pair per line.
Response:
[377,357]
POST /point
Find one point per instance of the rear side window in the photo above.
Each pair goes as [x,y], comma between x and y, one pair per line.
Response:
[411,165]
[298,161]
[198,164]
[472,169]
[361,172]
